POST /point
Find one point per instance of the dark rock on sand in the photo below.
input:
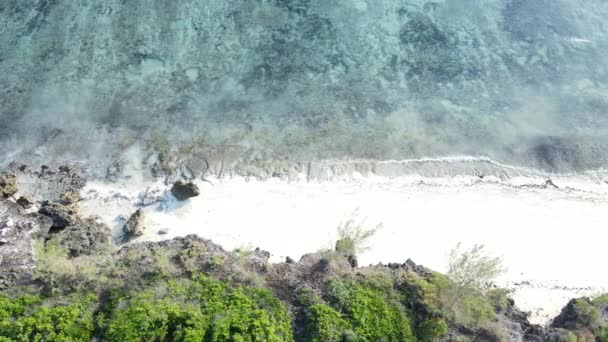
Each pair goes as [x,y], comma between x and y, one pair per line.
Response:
[183,191]
[25,202]
[135,226]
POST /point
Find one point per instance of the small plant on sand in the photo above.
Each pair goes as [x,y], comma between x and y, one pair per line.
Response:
[353,239]
[466,293]
[354,236]
[473,269]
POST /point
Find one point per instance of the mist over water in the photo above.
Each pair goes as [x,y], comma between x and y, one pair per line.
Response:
[524,82]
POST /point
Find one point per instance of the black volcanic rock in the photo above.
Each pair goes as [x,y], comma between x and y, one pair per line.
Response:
[135,226]
[183,191]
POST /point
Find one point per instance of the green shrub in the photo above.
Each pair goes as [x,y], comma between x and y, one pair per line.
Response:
[214,312]
[473,269]
[600,300]
[562,336]
[470,309]
[374,315]
[353,237]
[588,316]
[29,319]
[420,294]
[430,329]
[499,298]
[325,324]
[466,294]
[602,335]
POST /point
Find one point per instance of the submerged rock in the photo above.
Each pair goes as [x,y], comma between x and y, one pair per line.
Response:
[183,191]
[135,226]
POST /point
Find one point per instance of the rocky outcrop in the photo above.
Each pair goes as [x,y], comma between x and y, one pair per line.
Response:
[8,185]
[26,202]
[79,236]
[183,191]
[62,216]
[135,225]
[584,316]
[48,181]
[18,230]
[85,237]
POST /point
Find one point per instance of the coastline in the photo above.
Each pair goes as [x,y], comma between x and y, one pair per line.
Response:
[546,233]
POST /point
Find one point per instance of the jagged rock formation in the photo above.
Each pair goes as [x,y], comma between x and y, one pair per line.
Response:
[16,252]
[135,225]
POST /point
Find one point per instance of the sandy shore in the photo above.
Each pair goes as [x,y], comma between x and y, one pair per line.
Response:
[552,240]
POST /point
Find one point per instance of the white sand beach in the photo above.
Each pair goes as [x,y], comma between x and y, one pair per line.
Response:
[552,240]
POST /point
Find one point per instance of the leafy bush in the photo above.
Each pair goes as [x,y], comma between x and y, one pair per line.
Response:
[430,329]
[602,335]
[600,300]
[473,269]
[214,312]
[373,314]
[353,237]
[421,295]
[325,324]
[466,294]
[29,319]
[499,298]
[465,306]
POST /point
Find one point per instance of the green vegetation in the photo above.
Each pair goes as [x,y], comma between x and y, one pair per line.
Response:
[31,319]
[430,329]
[353,237]
[326,324]
[156,294]
[373,314]
[201,309]
[473,269]
[367,310]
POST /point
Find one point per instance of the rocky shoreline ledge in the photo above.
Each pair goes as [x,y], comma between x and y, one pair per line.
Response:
[63,278]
